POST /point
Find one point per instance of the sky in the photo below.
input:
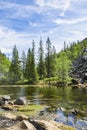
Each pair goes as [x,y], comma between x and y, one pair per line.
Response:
[22,21]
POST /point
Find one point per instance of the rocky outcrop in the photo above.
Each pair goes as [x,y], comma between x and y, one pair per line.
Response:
[79,70]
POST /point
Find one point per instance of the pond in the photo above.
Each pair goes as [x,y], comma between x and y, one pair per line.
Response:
[61,97]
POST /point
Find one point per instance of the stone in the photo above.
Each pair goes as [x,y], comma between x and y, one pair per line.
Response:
[74,111]
[6,97]
[21,117]
[20,101]
[9,116]
[50,125]
[75,82]
[23,125]
[79,67]
[8,107]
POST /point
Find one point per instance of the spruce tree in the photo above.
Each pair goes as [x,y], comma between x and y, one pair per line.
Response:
[48,57]
[41,62]
[31,73]
[28,64]
[15,69]
[34,75]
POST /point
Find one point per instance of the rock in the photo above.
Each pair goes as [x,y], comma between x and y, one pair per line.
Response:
[6,97]
[21,117]
[74,111]
[79,67]
[10,103]
[23,125]
[75,82]
[9,116]
[20,101]
[51,125]
[62,109]
[8,107]
[1,102]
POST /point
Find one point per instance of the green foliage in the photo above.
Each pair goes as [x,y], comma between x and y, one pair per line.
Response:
[41,63]
[15,68]
[50,59]
[52,65]
[63,67]
[4,68]
[31,72]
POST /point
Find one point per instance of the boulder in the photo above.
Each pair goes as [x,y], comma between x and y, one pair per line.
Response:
[20,101]
[50,125]
[9,116]
[21,117]
[75,82]
[74,111]
[1,102]
[23,125]
[8,107]
[6,97]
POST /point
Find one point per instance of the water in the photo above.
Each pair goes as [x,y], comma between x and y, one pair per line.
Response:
[54,97]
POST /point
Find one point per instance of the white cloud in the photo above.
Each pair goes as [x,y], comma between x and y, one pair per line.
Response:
[70,21]
[6,50]
[62,5]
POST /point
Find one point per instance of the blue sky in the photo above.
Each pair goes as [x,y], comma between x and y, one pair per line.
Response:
[22,21]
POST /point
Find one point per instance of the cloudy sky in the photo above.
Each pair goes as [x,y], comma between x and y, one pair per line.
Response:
[22,21]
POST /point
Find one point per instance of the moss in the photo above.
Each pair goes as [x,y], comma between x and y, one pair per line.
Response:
[29,109]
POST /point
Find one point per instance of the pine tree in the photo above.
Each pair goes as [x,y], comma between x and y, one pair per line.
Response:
[41,63]
[15,69]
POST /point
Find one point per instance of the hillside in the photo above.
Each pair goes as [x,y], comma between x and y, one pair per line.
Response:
[69,60]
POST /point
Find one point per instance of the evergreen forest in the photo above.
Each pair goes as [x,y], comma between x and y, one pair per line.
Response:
[47,66]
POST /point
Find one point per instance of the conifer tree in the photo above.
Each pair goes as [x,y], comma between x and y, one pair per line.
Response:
[41,63]
[15,69]
[31,73]
[28,64]
[34,75]
[48,57]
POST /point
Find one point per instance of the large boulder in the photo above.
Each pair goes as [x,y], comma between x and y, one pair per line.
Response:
[50,125]
[23,125]
[20,101]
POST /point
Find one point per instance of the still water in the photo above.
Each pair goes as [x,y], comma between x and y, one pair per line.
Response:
[67,98]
